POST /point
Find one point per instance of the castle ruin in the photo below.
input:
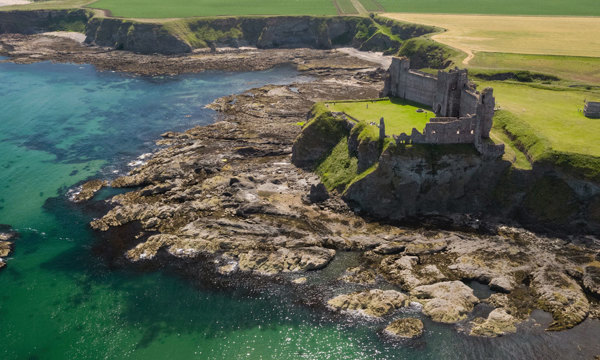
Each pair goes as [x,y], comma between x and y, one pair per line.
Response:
[463,114]
[592,109]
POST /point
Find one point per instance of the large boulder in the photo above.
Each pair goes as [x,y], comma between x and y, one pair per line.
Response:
[498,322]
[446,302]
[408,328]
[375,303]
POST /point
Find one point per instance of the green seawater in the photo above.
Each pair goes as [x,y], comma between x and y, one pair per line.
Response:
[62,123]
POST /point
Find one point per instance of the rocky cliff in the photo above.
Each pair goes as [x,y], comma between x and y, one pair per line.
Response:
[399,182]
[183,35]
[133,36]
[32,22]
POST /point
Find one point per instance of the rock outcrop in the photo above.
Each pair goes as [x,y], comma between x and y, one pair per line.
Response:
[406,328]
[7,235]
[498,322]
[89,189]
[374,303]
[446,302]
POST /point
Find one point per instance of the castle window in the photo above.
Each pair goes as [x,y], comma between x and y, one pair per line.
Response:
[472,132]
[433,132]
[457,132]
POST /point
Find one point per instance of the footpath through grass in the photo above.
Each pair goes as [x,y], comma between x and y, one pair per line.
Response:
[192,8]
[400,116]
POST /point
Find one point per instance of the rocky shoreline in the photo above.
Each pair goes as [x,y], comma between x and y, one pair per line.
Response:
[226,197]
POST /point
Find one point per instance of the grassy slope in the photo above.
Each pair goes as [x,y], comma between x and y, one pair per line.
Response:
[509,7]
[189,8]
[575,68]
[400,116]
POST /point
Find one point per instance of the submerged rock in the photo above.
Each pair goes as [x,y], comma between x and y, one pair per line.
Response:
[498,322]
[7,235]
[375,303]
[446,302]
[408,328]
[359,275]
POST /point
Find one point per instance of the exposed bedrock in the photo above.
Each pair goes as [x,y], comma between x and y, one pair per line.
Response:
[406,328]
[409,183]
[374,303]
[33,22]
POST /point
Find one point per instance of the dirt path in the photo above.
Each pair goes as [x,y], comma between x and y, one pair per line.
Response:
[13,2]
[359,7]
[375,57]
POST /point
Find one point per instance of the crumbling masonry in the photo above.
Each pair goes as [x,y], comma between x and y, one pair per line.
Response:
[463,115]
[592,109]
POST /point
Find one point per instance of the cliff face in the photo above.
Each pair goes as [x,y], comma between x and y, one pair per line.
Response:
[31,22]
[426,180]
[184,35]
[136,37]
[397,181]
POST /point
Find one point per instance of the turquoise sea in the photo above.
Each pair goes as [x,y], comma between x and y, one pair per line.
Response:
[59,299]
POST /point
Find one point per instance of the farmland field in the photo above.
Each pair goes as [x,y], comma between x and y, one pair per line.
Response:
[500,7]
[187,8]
[573,36]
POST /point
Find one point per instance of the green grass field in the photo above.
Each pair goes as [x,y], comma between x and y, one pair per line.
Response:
[500,7]
[400,116]
[576,68]
[190,8]
[552,114]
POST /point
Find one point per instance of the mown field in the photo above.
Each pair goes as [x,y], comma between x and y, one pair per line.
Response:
[553,114]
[400,116]
[504,7]
[188,8]
[574,68]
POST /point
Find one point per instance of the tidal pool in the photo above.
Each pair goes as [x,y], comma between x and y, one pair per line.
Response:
[62,123]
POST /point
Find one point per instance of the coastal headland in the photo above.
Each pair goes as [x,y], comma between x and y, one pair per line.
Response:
[224,202]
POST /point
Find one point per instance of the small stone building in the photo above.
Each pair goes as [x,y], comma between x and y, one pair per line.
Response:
[463,114]
[592,109]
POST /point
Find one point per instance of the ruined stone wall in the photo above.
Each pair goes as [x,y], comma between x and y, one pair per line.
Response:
[464,115]
[468,103]
[409,84]
[592,109]
[448,93]
[450,130]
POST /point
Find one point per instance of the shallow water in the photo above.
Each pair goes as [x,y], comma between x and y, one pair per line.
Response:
[60,124]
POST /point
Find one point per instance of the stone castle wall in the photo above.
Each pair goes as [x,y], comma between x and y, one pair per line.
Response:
[592,109]
[411,85]
[463,115]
